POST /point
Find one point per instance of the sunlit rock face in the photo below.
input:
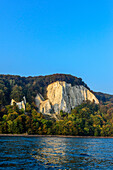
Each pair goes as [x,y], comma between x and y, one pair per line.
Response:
[44,106]
[63,96]
[21,105]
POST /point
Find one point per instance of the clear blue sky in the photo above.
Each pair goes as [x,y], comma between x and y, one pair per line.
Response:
[41,37]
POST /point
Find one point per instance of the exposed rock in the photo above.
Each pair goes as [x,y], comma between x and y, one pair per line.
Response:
[21,105]
[63,96]
[45,107]
[39,99]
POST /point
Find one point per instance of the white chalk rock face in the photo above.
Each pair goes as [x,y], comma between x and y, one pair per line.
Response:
[64,96]
[44,106]
[21,105]
[38,100]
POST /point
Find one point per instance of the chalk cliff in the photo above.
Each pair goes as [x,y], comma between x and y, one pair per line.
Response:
[21,105]
[63,96]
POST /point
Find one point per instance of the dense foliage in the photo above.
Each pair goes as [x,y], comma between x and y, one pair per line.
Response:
[103,97]
[16,87]
[88,119]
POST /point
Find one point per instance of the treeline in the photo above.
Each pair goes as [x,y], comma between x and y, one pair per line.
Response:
[16,87]
[103,97]
[88,119]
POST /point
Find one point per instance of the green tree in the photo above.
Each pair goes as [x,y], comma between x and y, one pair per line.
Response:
[17,93]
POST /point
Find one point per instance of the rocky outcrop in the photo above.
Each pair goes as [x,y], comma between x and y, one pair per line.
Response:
[63,96]
[21,105]
[38,100]
[44,106]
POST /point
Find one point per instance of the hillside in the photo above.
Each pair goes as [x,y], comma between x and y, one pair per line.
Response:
[16,87]
[103,97]
[87,118]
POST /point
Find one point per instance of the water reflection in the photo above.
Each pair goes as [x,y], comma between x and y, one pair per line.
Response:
[51,151]
[54,152]
[72,152]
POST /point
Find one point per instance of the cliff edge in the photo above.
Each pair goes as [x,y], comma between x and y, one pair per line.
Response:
[63,96]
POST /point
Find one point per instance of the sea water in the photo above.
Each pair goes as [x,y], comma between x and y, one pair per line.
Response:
[55,153]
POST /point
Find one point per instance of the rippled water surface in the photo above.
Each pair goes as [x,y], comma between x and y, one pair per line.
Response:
[55,153]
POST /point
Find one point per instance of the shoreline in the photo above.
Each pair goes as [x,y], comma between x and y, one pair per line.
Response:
[61,136]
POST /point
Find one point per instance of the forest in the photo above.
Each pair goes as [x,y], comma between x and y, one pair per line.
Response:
[87,119]
[16,87]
